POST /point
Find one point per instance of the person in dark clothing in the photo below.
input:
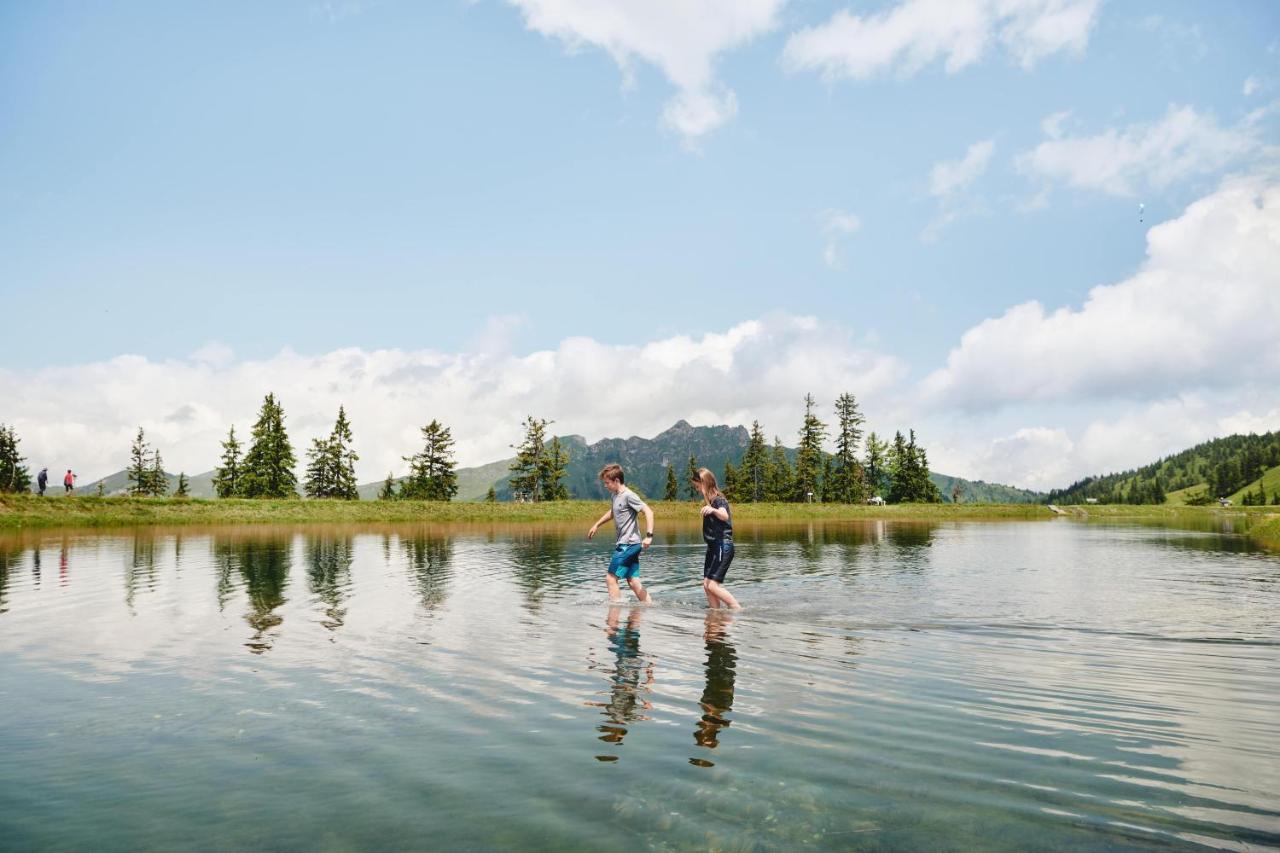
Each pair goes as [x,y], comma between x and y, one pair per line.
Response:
[717,531]
[42,480]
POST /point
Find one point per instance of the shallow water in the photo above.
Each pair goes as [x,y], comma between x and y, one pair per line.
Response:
[1004,686]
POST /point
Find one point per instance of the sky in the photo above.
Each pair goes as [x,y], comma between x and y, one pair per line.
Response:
[1045,234]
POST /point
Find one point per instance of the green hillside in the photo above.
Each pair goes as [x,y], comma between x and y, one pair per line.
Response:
[1222,467]
[1270,481]
[979,492]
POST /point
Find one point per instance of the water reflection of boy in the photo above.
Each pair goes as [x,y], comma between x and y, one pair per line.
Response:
[625,704]
[717,697]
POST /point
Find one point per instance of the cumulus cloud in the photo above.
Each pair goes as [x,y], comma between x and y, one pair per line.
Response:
[758,369]
[1201,312]
[681,39]
[916,33]
[835,225]
[1151,155]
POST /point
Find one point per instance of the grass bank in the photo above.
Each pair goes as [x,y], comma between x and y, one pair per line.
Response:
[24,511]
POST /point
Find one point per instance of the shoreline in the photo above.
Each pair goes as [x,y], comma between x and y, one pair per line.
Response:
[24,512]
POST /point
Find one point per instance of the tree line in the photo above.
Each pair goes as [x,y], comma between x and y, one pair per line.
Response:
[896,471]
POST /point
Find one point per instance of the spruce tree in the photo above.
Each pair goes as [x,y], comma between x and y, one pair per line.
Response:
[491,496]
[388,490]
[226,479]
[157,482]
[829,486]
[551,472]
[320,465]
[730,484]
[673,488]
[344,457]
[876,465]
[183,491]
[268,466]
[849,484]
[690,476]
[754,468]
[14,476]
[529,453]
[102,488]
[898,470]
[431,471]
[781,481]
[138,472]
[809,453]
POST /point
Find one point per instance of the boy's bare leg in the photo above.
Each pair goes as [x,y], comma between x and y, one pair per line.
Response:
[718,590]
[639,590]
[615,594]
[712,601]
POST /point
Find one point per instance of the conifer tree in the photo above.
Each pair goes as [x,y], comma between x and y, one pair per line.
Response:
[809,453]
[551,472]
[319,480]
[898,469]
[226,479]
[876,465]
[268,466]
[690,476]
[138,472]
[331,471]
[157,482]
[673,488]
[431,471]
[14,476]
[781,481]
[388,490]
[754,469]
[183,490]
[529,453]
[849,484]
[102,488]
[829,484]
[730,484]
[491,496]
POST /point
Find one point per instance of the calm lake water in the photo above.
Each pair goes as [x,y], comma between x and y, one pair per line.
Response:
[986,685]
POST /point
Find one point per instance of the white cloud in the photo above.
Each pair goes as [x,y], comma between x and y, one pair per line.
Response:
[835,225]
[1052,123]
[681,39]
[1142,156]
[1251,85]
[1201,312]
[949,176]
[915,33]
[758,369]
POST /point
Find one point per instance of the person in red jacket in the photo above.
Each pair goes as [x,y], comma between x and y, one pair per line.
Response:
[69,481]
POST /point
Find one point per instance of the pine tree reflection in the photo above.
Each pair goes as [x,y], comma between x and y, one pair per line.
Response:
[263,564]
[630,677]
[430,560]
[329,575]
[539,564]
[717,695]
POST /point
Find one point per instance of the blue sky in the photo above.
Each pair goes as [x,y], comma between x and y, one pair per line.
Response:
[470,178]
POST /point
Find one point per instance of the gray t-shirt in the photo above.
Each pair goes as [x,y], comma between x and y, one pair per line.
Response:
[626,504]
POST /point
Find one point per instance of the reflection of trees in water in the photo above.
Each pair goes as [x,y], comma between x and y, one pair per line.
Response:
[329,575]
[539,564]
[263,565]
[906,535]
[141,567]
[630,677]
[717,696]
[429,558]
[10,555]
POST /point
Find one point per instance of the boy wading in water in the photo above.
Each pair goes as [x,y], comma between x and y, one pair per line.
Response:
[625,563]
[717,530]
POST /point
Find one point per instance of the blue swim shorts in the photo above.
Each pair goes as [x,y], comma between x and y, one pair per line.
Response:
[625,562]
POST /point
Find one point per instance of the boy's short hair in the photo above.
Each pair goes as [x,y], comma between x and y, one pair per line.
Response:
[613,471]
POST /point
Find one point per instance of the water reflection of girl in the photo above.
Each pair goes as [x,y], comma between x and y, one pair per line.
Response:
[625,703]
[717,697]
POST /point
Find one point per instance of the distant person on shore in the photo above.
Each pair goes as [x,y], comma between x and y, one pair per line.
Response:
[625,562]
[717,532]
[69,481]
[42,481]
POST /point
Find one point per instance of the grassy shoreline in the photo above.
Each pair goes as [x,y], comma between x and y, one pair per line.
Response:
[19,512]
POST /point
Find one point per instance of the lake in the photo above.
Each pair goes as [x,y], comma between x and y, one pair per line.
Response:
[1014,686]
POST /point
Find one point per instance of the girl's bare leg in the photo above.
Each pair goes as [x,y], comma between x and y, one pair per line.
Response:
[712,602]
[719,591]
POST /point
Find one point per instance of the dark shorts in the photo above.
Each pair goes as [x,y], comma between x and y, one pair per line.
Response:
[719,556]
[625,562]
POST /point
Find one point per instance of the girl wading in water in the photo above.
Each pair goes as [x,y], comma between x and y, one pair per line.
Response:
[717,530]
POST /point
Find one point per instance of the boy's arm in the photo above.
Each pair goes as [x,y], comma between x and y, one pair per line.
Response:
[608,515]
[648,518]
